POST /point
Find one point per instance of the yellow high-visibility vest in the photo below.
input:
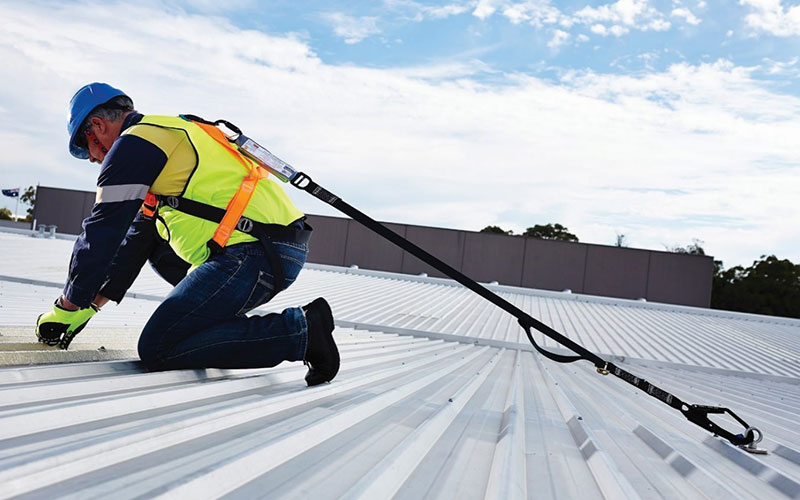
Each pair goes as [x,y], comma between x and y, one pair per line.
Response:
[200,169]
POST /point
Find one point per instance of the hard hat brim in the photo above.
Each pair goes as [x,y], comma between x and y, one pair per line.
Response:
[79,153]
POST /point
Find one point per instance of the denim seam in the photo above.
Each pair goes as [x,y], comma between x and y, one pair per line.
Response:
[296,246]
[292,259]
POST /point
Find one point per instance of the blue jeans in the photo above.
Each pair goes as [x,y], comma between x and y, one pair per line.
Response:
[202,322]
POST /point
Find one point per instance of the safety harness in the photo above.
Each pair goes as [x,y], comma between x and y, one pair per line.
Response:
[232,217]
[697,414]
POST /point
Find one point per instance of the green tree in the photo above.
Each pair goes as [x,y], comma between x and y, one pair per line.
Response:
[5,214]
[550,232]
[770,286]
[496,230]
[28,197]
[694,249]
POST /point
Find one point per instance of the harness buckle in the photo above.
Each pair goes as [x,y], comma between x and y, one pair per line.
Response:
[245,225]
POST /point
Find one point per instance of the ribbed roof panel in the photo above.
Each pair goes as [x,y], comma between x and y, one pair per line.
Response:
[408,417]
[438,397]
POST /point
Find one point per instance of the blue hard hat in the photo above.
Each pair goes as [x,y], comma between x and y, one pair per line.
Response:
[82,103]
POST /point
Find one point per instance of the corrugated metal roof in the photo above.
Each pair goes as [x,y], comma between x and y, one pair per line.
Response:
[455,406]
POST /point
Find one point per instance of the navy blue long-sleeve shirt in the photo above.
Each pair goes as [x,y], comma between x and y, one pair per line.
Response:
[129,168]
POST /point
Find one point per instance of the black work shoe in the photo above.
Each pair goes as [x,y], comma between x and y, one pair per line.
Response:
[322,356]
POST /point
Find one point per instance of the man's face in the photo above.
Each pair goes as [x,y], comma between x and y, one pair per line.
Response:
[100,135]
[96,153]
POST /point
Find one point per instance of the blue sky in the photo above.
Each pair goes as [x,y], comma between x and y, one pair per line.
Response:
[665,121]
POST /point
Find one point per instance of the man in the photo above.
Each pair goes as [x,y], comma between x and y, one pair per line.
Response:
[243,236]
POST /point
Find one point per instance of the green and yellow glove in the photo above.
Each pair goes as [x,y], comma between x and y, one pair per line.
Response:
[59,326]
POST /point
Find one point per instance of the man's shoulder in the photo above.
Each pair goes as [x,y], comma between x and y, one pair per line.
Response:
[166,139]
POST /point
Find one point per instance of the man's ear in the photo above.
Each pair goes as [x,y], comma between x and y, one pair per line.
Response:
[99,123]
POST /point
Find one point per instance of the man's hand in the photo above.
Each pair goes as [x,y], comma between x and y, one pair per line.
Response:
[59,326]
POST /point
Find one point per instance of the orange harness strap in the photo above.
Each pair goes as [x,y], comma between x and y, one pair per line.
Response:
[240,200]
[150,205]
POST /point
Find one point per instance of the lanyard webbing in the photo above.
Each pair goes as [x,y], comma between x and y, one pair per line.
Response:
[697,414]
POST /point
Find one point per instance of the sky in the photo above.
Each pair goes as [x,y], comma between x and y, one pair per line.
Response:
[663,121]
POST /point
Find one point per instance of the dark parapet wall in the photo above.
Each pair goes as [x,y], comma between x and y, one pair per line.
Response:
[554,265]
[445,244]
[680,278]
[64,208]
[615,271]
[368,250]
[327,244]
[607,271]
[509,260]
[494,257]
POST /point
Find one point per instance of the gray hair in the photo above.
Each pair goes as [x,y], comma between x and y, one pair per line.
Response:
[111,111]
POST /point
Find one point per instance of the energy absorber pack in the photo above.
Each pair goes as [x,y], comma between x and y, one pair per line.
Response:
[256,152]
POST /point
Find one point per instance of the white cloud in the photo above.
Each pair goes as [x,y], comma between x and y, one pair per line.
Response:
[686,14]
[789,67]
[623,11]
[352,29]
[442,71]
[420,12]
[602,30]
[618,30]
[582,38]
[617,18]
[771,16]
[559,38]
[536,13]
[485,8]
[599,29]
[445,11]
[659,25]
[624,15]
[702,151]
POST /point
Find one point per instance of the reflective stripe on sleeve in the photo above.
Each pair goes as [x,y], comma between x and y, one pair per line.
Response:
[123,192]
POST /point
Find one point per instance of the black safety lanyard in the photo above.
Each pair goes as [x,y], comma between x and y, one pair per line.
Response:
[697,414]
